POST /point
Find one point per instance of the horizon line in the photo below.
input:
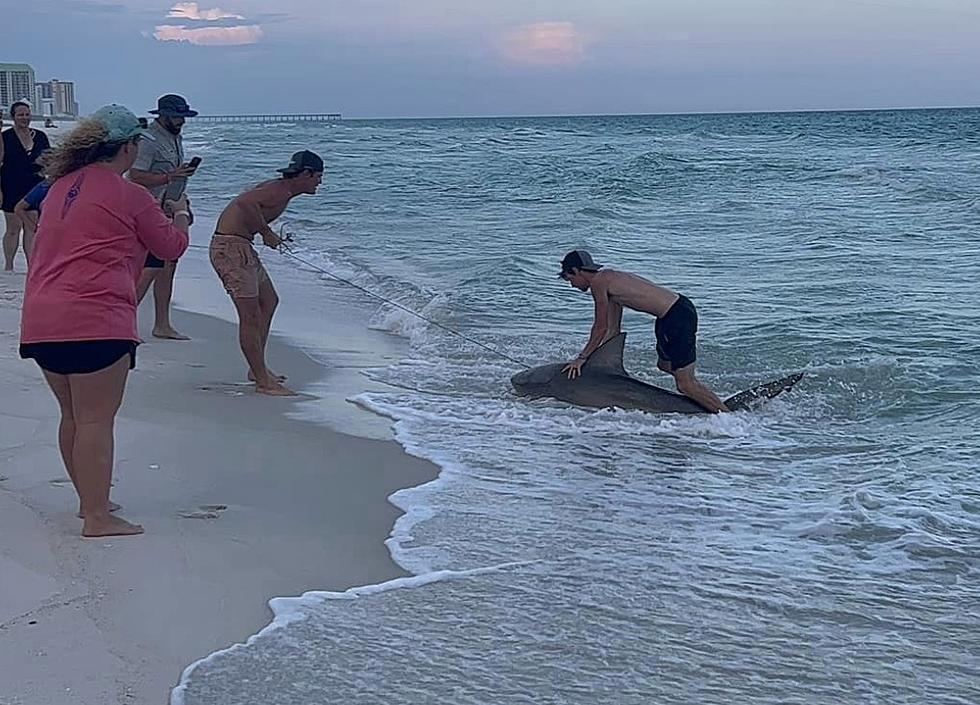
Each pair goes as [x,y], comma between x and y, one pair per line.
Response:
[679,113]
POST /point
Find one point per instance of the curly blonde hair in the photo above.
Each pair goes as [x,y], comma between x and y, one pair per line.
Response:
[86,144]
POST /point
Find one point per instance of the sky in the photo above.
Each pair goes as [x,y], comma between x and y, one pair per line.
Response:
[434,58]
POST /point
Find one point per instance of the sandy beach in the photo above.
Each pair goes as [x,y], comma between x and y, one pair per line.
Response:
[242,501]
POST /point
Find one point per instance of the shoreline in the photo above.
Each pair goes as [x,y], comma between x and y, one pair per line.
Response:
[244,500]
[325,320]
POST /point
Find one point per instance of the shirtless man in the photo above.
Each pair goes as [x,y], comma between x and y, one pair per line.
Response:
[676,327]
[238,265]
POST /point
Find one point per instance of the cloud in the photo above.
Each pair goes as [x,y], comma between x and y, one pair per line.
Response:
[210,27]
[191,11]
[544,44]
[209,36]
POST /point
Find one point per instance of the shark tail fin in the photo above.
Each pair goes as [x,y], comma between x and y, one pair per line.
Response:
[742,400]
[608,357]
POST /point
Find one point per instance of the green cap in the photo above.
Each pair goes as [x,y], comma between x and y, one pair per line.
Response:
[120,124]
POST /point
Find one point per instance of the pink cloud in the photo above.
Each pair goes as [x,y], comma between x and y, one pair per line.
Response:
[209,36]
[544,44]
[191,11]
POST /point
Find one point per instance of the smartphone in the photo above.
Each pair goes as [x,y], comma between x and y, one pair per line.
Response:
[195,162]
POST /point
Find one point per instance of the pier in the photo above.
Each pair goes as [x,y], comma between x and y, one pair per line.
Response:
[270,119]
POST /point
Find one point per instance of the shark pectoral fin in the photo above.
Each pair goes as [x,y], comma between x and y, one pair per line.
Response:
[608,356]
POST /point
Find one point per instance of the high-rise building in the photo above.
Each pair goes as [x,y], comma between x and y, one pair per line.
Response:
[16,83]
[56,97]
[45,99]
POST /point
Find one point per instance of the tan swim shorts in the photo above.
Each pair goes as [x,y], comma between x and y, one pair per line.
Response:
[238,265]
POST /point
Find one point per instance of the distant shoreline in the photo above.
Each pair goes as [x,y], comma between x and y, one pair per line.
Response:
[571,116]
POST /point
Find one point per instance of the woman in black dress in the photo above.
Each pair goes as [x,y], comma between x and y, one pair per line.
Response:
[19,172]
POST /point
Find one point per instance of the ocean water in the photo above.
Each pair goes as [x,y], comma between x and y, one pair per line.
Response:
[824,548]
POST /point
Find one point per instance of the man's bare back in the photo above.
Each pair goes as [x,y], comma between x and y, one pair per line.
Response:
[250,213]
[633,292]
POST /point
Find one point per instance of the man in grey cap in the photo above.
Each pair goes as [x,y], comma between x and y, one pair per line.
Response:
[240,269]
[161,169]
[676,327]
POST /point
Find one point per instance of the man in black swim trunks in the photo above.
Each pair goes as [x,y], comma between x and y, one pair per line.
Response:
[676,326]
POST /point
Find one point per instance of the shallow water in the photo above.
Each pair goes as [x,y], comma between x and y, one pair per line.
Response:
[824,548]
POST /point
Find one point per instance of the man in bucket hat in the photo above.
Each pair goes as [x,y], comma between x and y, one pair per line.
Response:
[162,170]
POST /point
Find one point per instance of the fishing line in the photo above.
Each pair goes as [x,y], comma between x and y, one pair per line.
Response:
[286,251]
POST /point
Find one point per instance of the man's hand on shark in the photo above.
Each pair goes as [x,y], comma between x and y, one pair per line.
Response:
[574,368]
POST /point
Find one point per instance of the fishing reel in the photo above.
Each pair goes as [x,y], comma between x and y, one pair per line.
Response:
[286,241]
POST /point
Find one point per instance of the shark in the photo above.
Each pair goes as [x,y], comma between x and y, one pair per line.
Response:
[605,383]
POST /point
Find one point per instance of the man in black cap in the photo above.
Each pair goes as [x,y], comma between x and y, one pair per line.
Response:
[676,327]
[161,169]
[240,269]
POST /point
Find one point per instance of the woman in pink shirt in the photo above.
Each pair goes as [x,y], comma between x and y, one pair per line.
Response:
[79,317]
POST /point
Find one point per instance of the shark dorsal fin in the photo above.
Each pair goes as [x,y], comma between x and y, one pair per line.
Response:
[609,356]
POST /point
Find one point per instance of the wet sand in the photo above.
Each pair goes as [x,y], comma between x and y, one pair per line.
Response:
[241,502]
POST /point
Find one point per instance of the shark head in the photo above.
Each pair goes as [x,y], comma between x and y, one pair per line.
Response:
[535,381]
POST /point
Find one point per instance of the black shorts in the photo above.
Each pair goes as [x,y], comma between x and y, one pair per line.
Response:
[677,334]
[153,262]
[79,357]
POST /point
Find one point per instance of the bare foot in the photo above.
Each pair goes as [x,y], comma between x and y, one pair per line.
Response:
[169,334]
[107,525]
[274,389]
[113,507]
[281,378]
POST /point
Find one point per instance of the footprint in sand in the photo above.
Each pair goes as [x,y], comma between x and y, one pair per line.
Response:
[204,511]
[66,481]
[227,388]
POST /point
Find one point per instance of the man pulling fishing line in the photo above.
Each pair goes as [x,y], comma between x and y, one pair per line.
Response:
[240,269]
